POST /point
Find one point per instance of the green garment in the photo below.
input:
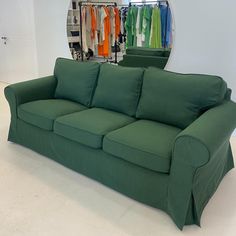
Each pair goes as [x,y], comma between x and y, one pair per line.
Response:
[128,27]
[134,11]
[147,17]
[141,20]
[155,40]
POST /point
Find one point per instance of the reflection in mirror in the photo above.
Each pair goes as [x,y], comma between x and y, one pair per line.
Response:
[138,33]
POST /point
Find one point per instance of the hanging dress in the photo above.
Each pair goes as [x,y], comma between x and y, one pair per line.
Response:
[146,28]
[104,48]
[84,38]
[117,23]
[155,38]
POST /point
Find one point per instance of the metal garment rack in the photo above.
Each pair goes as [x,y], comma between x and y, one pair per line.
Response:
[85,3]
[154,2]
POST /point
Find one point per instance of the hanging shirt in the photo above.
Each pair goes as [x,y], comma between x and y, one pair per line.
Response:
[93,28]
[128,28]
[134,21]
[123,16]
[113,24]
[146,29]
[138,32]
[166,25]
[88,26]
[155,38]
[117,23]
[84,38]
[104,49]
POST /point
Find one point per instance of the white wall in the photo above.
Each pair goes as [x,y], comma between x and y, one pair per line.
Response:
[50,27]
[204,40]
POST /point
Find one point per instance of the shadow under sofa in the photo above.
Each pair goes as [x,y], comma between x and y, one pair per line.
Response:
[159,137]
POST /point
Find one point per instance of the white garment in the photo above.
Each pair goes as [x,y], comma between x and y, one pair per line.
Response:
[144,28]
[138,35]
[113,25]
[84,38]
[103,15]
[96,32]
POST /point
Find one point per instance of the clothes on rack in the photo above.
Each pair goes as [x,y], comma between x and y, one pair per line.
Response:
[101,28]
[166,25]
[149,26]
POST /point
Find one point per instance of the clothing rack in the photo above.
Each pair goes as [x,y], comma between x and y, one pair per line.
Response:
[153,2]
[149,2]
[85,3]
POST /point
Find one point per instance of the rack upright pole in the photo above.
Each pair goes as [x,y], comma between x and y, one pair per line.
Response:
[81,33]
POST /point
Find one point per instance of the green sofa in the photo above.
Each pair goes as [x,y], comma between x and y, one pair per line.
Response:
[145,57]
[159,137]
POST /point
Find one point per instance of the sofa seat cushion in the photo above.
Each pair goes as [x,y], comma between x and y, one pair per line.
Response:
[145,143]
[89,127]
[42,113]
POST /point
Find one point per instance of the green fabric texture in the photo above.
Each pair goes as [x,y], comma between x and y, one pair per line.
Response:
[143,61]
[118,89]
[134,10]
[141,20]
[147,15]
[155,39]
[76,80]
[160,52]
[31,90]
[42,113]
[145,143]
[199,151]
[201,154]
[116,173]
[178,99]
[128,28]
[89,127]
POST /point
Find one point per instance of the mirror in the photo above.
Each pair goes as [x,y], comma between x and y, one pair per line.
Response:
[138,33]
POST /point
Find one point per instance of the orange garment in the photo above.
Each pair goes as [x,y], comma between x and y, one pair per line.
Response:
[117,22]
[104,48]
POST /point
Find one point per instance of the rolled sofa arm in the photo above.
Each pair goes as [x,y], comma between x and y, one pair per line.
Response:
[206,135]
[199,161]
[19,93]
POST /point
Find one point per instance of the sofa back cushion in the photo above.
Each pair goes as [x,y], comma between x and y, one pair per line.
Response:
[178,99]
[118,88]
[76,81]
[141,51]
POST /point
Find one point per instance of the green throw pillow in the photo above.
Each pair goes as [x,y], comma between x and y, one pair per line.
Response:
[178,99]
[118,88]
[76,80]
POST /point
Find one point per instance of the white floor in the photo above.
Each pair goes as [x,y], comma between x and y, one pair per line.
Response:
[39,197]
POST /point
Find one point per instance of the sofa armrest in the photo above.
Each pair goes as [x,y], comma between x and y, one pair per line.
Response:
[201,156]
[204,137]
[19,93]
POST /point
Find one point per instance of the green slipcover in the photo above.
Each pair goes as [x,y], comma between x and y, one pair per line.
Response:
[145,143]
[118,88]
[76,80]
[145,51]
[178,99]
[89,127]
[201,156]
[143,61]
[42,113]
